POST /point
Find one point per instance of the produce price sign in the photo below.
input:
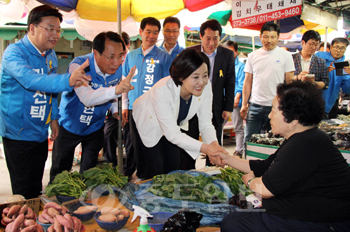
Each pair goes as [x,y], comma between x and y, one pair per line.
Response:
[245,13]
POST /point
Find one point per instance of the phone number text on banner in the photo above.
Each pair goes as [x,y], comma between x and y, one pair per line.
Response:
[262,18]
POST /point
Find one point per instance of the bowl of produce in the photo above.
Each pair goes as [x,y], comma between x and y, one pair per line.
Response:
[158,220]
[83,211]
[67,186]
[114,220]
[62,198]
[44,225]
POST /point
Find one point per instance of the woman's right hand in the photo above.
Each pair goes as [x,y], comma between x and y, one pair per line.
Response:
[213,151]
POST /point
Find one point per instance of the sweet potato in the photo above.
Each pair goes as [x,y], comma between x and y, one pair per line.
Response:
[9,227]
[64,210]
[85,209]
[30,214]
[47,216]
[108,217]
[39,228]
[23,209]
[41,219]
[29,222]
[17,222]
[77,224]
[64,222]
[52,212]
[57,226]
[52,205]
[13,210]
[125,212]
[31,228]
[120,217]
[6,210]
[50,229]
[6,219]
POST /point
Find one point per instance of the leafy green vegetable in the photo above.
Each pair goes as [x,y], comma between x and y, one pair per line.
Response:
[233,178]
[185,187]
[66,184]
[105,176]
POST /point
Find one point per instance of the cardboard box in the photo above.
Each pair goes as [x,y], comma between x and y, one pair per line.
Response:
[32,203]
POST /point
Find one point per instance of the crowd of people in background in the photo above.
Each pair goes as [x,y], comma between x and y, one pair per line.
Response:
[171,97]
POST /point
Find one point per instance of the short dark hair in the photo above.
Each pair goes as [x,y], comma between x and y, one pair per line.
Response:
[301,101]
[213,24]
[340,40]
[99,41]
[311,34]
[149,21]
[270,27]
[188,61]
[233,44]
[126,38]
[36,14]
[328,45]
[171,19]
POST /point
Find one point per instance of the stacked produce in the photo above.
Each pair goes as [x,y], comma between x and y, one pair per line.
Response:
[105,176]
[20,218]
[183,186]
[73,184]
[60,218]
[233,178]
[109,214]
[66,184]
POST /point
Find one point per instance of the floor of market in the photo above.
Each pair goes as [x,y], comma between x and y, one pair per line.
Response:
[5,189]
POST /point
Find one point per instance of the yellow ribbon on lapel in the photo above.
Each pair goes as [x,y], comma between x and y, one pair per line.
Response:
[220,73]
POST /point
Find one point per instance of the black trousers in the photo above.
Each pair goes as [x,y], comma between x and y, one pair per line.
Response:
[64,146]
[186,161]
[264,222]
[110,139]
[163,158]
[129,165]
[26,162]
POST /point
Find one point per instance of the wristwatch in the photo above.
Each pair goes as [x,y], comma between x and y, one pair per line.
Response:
[249,182]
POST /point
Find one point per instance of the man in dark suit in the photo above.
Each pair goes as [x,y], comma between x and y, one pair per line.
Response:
[222,74]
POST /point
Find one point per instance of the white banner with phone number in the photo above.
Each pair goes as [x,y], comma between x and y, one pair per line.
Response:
[246,13]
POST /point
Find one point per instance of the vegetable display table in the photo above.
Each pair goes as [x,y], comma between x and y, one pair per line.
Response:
[261,151]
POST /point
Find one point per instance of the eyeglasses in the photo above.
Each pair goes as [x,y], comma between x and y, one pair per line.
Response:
[52,31]
[111,58]
[269,37]
[339,48]
[313,44]
[169,31]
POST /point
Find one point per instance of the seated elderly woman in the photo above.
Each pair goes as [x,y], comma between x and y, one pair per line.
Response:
[165,109]
[305,184]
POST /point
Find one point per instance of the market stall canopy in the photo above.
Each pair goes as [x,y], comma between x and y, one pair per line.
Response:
[311,18]
[90,17]
[10,32]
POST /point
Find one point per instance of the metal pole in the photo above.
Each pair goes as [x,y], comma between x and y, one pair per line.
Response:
[253,42]
[120,148]
[325,39]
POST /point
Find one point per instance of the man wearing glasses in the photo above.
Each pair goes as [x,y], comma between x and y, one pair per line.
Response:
[83,110]
[336,54]
[28,99]
[171,31]
[307,63]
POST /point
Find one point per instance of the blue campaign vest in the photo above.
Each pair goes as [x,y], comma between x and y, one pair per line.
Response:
[28,98]
[150,69]
[75,117]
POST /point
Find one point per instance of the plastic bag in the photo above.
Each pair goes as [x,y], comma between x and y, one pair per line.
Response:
[184,220]
[138,195]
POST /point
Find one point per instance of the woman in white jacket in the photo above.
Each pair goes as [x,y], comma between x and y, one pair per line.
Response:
[162,112]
